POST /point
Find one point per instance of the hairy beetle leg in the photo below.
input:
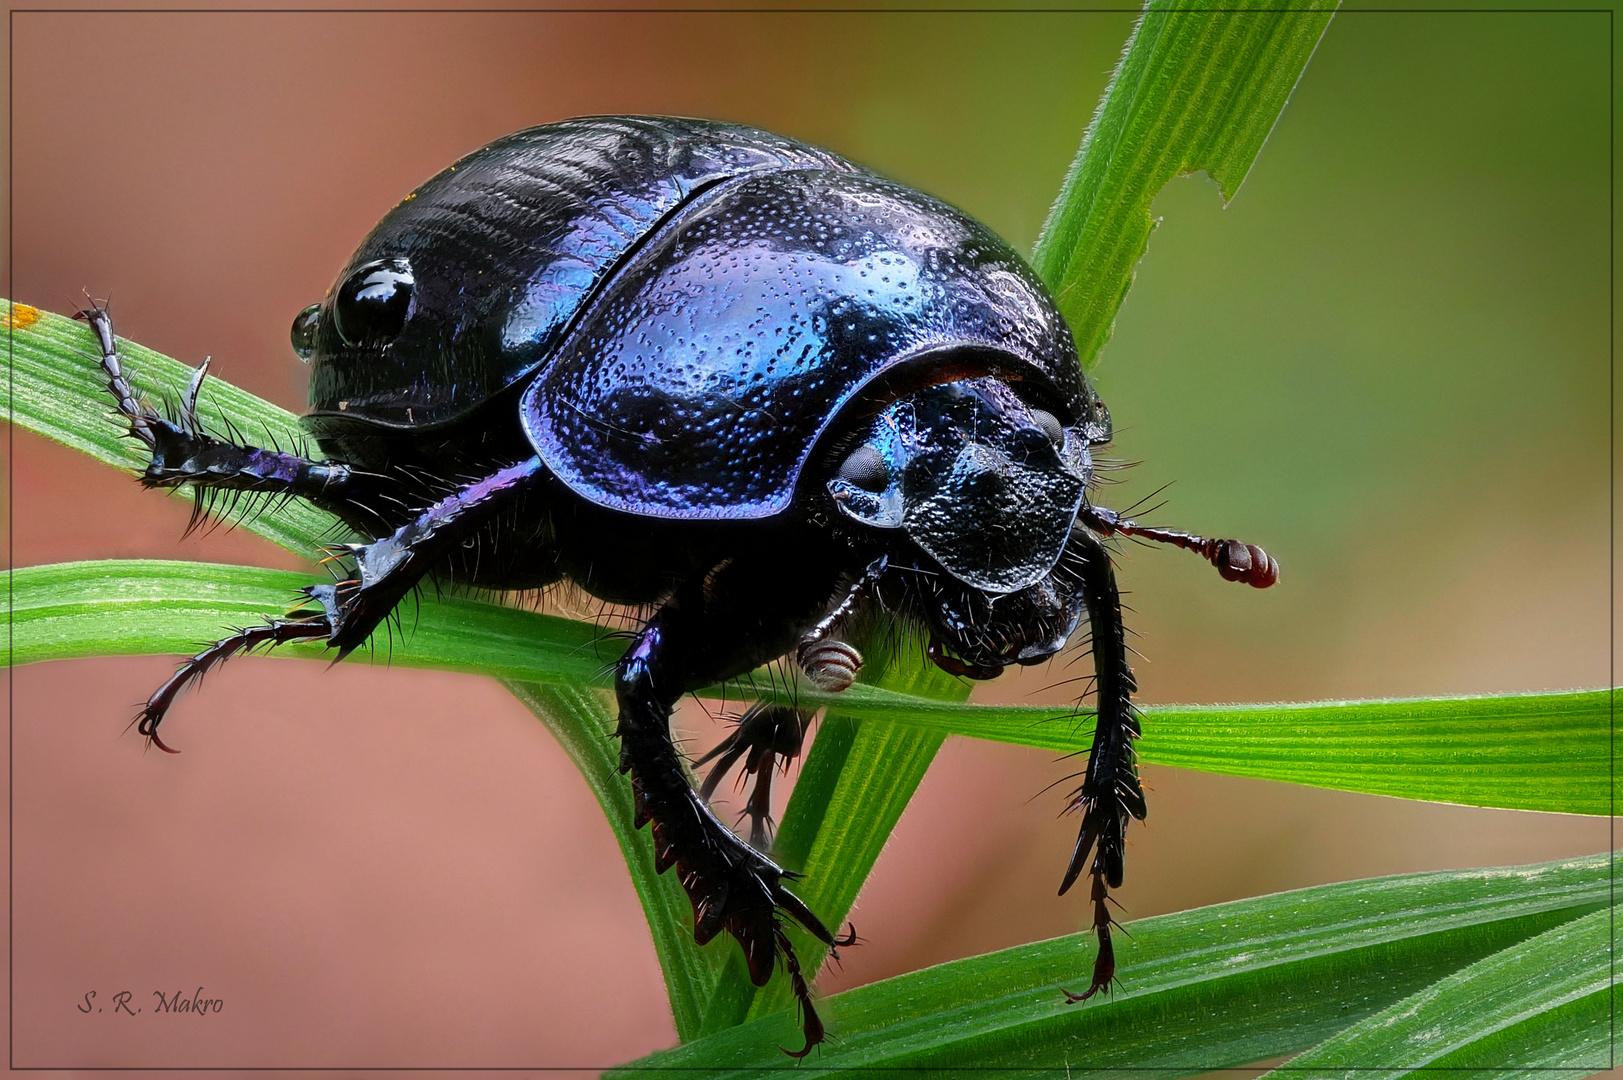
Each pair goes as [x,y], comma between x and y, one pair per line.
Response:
[1110,794]
[768,738]
[732,886]
[181,452]
[276,632]
[385,571]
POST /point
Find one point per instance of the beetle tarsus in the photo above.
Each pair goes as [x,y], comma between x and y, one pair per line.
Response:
[136,413]
[811,1025]
[276,632]
[1104,964]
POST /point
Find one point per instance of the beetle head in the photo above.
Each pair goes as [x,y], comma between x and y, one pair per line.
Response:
[986,487]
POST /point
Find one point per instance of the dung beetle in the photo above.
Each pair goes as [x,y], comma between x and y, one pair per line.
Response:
[736,379]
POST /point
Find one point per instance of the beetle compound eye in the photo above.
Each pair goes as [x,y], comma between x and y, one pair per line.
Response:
[1049,425]
[373,303]
[304,331]
[862,488]
[866,469]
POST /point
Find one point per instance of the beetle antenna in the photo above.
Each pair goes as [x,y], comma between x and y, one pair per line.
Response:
[1235,561]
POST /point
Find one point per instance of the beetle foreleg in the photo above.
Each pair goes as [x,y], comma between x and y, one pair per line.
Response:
[1110,793]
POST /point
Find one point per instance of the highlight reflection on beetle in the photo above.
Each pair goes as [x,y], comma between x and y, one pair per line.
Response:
[735,378]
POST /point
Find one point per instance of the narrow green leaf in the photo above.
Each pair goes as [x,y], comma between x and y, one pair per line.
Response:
[141,607]
[58,391]
[1212,988]
[1194,90]
[1542,751]
[1525,751]
[583,725]
[1545,1003]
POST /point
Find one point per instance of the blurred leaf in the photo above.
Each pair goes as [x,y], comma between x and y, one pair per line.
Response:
[58,390]
[1212,988]
[1524,751]
[1195,90]
[1545,1003]
[579,718]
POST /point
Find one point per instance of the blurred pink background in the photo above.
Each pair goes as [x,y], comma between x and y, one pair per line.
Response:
[378,868]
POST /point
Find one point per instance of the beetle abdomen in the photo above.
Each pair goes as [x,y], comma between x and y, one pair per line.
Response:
[702,375]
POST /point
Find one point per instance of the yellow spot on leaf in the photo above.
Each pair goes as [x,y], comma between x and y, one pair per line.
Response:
[19,317]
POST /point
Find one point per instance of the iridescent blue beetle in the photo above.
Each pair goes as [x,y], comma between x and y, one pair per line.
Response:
[735,377]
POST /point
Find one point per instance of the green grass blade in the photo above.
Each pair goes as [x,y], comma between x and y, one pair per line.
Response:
[1212,988]
[583,725]
[142,607]
[1524,751]
[1194,90]
[1542,751]
[58,391]
[1545,1003]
